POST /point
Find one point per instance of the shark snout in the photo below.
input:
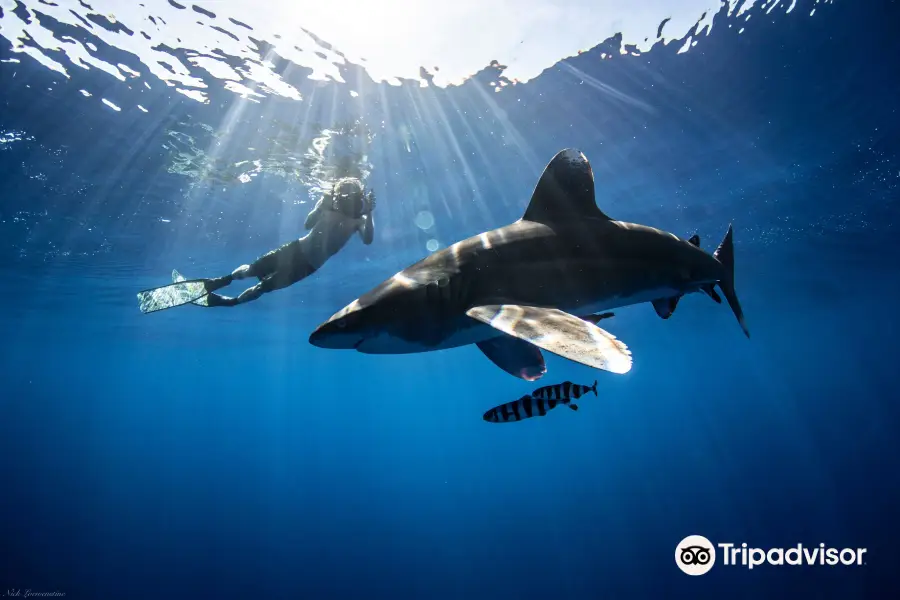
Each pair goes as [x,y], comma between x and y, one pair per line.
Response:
[342,331]
[334,335]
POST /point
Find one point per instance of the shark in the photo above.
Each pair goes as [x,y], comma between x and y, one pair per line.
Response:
[539,283]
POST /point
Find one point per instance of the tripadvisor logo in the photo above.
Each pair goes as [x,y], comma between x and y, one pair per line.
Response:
[696,555]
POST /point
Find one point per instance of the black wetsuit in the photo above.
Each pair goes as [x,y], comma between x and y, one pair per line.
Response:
[287,264]
[277,269]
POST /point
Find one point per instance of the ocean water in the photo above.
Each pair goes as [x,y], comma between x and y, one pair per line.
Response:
[197,453]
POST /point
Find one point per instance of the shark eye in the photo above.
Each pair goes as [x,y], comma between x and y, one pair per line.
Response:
[341,324]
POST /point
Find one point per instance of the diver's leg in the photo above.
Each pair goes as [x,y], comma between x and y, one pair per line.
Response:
[252,293]
[217,300]
[248,295]
[276,270]
[242,272]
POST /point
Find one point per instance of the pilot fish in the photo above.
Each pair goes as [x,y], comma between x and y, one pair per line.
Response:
[524,408]
[539,402]
[566,389]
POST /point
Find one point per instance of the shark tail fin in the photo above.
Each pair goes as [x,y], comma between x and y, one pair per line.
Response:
[725,255]
[594,387]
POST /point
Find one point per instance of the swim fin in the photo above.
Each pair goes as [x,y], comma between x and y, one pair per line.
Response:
[178,278]
[172,295]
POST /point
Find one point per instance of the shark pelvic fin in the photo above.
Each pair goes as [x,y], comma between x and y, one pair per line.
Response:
[516,357]
[558,332]
[565,190]
[598,317]
[664,307]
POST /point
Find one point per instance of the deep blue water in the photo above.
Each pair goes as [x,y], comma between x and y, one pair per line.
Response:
[217,454]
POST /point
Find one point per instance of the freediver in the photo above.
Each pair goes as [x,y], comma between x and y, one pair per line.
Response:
[339,213]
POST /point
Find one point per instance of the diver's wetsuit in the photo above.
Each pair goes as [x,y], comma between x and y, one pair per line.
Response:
[277,269]
[332,223]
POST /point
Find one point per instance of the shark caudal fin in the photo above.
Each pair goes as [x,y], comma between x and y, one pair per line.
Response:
[725,255]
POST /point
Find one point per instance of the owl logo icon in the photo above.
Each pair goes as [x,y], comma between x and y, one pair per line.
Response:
[695,555]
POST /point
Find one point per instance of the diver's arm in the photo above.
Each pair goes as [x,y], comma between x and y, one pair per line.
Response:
[313,217]
[367,229]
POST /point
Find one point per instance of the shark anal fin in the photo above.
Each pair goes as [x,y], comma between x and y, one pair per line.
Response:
[516,357]
[558,332]
[565,190]
[711,292]
[664,307]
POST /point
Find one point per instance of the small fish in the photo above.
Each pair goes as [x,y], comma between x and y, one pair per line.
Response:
[566,389]
[524,408]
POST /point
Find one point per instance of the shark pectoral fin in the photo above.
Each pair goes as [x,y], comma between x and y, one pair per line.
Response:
[516,357]
[664,307]
[565,190]
[558,332]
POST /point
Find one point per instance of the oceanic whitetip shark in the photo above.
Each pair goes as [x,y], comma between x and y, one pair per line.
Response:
[538,283]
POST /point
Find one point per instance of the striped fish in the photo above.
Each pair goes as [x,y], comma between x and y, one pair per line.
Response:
[524,408]
[566,389]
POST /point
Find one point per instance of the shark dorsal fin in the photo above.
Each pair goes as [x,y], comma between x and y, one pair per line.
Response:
[565,190]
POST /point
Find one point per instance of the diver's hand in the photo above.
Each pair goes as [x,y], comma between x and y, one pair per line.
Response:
[370,198]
